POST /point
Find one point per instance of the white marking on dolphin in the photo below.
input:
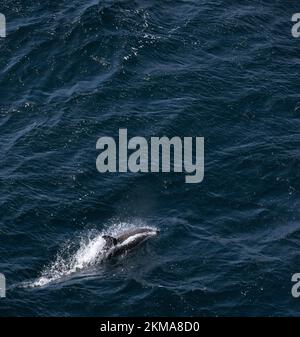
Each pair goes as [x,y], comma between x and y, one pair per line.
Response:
[127,240]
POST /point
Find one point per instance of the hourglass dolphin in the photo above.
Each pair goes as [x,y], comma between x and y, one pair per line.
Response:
[127,240]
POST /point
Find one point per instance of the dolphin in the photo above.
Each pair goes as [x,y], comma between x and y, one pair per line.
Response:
[127,240]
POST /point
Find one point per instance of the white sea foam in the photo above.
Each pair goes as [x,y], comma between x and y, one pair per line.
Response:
[89,253]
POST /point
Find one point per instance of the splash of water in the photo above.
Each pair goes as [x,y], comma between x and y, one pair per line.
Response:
[88,254]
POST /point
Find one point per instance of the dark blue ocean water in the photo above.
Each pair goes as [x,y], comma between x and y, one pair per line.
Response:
[73,71]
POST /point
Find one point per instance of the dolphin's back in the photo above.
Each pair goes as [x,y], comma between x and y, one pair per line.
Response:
[125,235]
[127,240]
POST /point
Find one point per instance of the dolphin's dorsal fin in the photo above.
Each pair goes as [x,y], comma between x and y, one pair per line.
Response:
[110,240]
